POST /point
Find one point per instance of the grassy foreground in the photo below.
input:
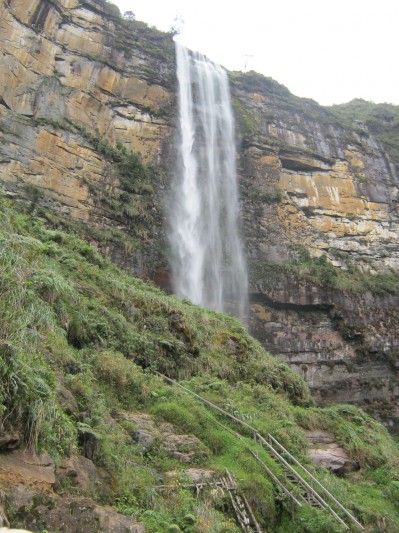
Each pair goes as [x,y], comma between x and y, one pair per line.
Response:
[70,320]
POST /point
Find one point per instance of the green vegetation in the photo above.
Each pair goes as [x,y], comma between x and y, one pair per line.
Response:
[71,320]
[248,122]
[280,102]
[136,176]
[158,45]
[109,8]
[258,82]
[269,197]
[382,120]
[322,272]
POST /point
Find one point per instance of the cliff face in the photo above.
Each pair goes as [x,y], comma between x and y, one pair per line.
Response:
[340,186]
[311,185]
[75,79]
[82,92]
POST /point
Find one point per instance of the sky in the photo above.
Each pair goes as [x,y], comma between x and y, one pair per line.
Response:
[330,51]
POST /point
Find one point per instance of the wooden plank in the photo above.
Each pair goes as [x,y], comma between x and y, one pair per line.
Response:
[254,521]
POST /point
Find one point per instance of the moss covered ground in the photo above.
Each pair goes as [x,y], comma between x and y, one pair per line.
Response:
[71,320]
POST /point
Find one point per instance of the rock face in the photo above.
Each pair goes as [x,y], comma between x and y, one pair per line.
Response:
[339,187]
[66,63]
[149,433]
[74,515]
[344,346]
[327,453]
[80,88]
[26,467]
[309,183]
[30,481]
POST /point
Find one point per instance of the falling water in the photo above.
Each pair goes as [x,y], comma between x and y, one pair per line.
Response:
[208,262]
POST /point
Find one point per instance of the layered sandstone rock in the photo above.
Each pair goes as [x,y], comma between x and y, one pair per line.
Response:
[340,188]
[326,452]
[65,64]
[307,182]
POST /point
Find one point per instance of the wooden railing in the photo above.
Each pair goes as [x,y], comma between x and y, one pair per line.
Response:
[303,491]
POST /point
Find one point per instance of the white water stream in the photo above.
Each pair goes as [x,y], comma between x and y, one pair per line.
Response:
[208,262]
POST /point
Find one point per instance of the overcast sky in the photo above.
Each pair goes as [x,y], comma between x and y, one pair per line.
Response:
[331,51]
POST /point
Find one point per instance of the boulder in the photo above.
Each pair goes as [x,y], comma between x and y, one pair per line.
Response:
[67,400]
[196,475]
[186,448]
[75,515]
[79,475]
[9,439]
[143,438]
[88,441]
[326,452]
[69,514]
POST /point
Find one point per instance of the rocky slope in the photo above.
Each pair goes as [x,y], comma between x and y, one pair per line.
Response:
[82,92]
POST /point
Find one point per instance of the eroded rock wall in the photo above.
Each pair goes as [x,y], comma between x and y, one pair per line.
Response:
[344,346]
[340,191]
[66,63]
[309,183]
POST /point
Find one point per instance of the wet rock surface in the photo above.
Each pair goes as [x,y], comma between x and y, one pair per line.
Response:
[345,346]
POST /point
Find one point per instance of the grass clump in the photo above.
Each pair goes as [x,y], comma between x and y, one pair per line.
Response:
[248,122]
[267,197]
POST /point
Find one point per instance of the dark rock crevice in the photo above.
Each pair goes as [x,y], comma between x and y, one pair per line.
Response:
[39,17]
[293,306]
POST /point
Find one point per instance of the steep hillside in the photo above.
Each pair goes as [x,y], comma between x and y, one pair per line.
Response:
[80,342]
[91,438]
[87,123]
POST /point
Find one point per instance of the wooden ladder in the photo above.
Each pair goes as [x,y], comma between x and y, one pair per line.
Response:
[245,515]
[292,486]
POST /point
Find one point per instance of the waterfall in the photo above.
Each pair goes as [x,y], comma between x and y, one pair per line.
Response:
[208,263]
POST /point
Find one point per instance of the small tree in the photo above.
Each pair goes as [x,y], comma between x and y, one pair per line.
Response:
[129,15]
[178,24]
